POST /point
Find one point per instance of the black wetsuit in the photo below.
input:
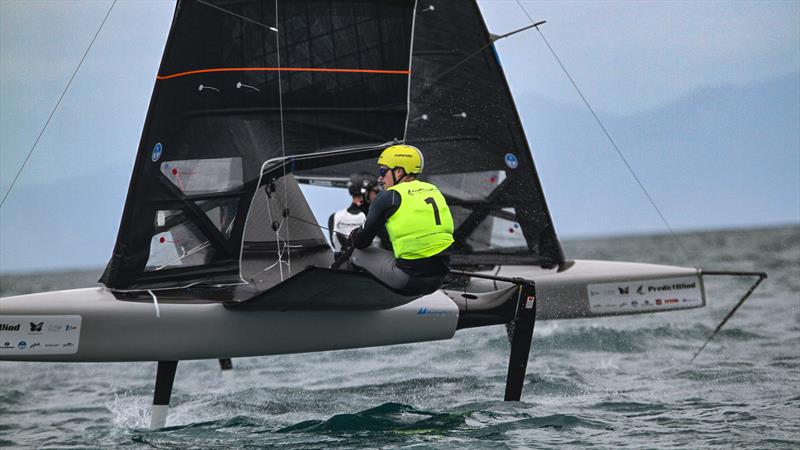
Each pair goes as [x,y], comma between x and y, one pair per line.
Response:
[383,235]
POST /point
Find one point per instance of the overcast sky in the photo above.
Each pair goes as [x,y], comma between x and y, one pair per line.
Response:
[703,98]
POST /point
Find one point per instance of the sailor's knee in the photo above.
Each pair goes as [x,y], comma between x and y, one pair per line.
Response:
[356,257]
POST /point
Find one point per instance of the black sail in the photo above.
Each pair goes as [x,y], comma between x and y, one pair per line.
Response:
[463,118]
[241,82]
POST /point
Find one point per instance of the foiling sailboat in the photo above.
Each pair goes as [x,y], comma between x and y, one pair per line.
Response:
[218,254]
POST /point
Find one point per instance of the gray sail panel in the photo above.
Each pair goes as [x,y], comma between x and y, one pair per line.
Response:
[281,238]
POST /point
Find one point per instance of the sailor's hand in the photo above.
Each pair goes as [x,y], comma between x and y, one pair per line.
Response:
[354,234]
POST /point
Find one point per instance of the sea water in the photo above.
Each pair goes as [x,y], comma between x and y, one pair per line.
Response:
[613,382]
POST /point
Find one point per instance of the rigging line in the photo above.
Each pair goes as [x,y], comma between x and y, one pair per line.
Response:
[155,303]
[277,230]
[761,277]
[69,83]
[317,225]
[270,267]
[410,61]
[237,15]
[191,252]
[491,42]
[280,259]
[283,139]
[611,140]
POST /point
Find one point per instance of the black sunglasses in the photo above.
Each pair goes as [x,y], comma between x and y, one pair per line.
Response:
[382,171]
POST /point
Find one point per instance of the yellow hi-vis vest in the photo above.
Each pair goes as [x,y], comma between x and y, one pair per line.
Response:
[422,226]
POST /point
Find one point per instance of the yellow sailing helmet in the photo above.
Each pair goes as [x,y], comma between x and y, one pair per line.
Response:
[406,156]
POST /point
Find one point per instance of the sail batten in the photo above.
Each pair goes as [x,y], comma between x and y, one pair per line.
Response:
[283,69]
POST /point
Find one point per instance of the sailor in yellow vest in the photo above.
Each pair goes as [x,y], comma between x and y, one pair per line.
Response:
[417,220]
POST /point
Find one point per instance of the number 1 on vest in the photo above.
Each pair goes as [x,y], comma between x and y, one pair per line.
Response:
[432,202]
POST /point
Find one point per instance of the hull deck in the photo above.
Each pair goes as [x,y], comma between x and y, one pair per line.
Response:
[92,325]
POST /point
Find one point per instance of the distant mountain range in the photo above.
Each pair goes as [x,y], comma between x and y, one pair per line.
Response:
[720,157]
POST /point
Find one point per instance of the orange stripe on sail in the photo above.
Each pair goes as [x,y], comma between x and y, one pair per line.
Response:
[282,69]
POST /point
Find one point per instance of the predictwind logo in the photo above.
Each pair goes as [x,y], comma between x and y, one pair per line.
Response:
[9,327]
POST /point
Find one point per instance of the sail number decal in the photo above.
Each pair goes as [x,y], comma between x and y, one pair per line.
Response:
[432,202]
[39,335]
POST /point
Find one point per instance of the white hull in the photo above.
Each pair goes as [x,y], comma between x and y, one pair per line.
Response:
[100,328]
[589,288]
[114,330]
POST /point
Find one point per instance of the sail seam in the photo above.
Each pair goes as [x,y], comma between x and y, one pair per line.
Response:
[283,69]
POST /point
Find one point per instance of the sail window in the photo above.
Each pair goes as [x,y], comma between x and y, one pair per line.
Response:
[203,176]
[222,213]
[177,243]
[469,185]
[506,233]
[497,233]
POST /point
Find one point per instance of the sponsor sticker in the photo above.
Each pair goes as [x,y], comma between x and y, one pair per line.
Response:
[39,335]
[646,295]
[511,161]
[529,302]
[157,150]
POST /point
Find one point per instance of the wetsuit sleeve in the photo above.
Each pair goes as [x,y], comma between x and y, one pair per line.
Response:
[385,204]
